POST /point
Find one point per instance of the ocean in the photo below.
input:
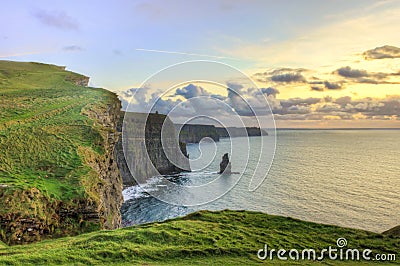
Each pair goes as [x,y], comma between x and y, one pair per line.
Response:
[349,178]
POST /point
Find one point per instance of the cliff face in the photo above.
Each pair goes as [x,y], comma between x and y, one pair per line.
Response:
[239,132]
[191,133]
[146,154]
[78,80]
[109,190]
[58,172]
[194,133]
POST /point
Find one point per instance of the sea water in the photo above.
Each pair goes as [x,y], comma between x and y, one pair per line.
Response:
[348,178]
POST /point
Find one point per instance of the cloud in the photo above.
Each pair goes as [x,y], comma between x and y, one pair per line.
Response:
[73,48]
[270,91]
[300,101]
[117,52]
[348,72]
[191,91]
[218,97]
[326,85]
[139,100]
[146,99]
[288,78]
[333,85]
[238,103]
[282,75]
[242,100]
[134,98]
[234,86]
[343,101]
[248,103]
[328,108]
[316,88]
[363,76]
[57,19]
[285,76]
[163,106]
[382,52]
[344,108]
[298,109]
[139,94]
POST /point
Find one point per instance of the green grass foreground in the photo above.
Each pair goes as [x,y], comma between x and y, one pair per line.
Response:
[219,238]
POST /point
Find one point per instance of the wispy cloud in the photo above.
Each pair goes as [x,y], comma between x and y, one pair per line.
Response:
[57,19]
[73,48]
[184,53]
[117,52]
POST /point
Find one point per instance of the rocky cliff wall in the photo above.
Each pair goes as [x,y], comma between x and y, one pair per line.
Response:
[78,80]
[189,133]
[147,154]
[239,132]
[109,190]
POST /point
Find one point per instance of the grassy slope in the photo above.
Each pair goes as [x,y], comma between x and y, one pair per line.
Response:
[226,237]
[43,136]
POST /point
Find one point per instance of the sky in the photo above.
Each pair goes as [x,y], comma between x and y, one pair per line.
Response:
[318,63]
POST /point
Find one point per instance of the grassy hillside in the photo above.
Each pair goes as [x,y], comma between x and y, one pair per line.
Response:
[220,238]
[395,231]
[46,139]
[41,126]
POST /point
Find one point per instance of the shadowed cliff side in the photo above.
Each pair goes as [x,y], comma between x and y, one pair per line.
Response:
[239,132]
[190,133]
[147,154]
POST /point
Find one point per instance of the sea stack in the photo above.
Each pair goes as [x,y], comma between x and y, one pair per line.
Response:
[225,165]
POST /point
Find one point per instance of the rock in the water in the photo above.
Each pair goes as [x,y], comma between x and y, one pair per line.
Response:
[225,165]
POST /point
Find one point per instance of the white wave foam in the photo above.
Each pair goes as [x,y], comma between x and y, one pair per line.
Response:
[140,191]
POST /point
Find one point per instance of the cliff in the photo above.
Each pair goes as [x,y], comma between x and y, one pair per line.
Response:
[194,133]
[147,155]
[58,173]
[239,132]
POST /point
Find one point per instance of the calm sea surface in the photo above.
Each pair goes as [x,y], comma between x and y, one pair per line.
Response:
[343,177]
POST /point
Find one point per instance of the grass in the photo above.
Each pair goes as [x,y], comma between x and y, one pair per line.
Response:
[215,238]
[43,126]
